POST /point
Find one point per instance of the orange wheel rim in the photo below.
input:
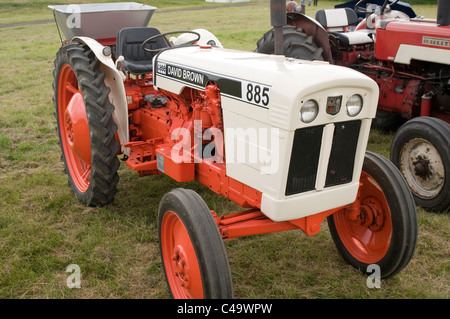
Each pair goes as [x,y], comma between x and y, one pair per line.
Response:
[366,236]
[68,95]
[180,261]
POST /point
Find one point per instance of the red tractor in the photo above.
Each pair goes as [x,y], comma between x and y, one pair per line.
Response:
[283,138]
[409,58]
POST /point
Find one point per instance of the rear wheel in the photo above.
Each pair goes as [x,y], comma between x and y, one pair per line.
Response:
[387,121]
[192,250]
[296,44]
[85,126]
[384,229]
[420,149]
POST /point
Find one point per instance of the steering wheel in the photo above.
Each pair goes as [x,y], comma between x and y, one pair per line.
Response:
[386,3]
[359,9]
[190,42]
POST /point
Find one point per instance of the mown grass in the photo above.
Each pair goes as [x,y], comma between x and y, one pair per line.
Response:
[44,229]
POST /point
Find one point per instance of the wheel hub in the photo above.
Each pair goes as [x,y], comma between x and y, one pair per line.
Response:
[372,216]
[77,129]
[422,167]
[181,268]
[369,215]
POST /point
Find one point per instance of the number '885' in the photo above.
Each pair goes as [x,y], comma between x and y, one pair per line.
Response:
[257,94]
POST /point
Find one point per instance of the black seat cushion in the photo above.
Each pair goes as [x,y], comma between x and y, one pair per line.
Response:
[129,45]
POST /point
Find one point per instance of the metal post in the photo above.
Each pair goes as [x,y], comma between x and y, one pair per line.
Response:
[443,13]
[278,20]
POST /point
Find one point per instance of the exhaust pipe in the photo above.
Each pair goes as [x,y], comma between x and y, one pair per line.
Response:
[278,20]
[443,13]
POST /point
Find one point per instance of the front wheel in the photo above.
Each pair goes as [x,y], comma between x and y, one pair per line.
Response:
[192,250]
[382,228]
[420,149]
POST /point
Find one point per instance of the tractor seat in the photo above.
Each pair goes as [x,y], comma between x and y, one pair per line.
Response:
[136,60]
[358,37]
[336,20]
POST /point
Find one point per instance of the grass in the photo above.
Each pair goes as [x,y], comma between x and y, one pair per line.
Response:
[44,229]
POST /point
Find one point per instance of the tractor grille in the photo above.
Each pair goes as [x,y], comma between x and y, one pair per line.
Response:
[303,166]
[304,160]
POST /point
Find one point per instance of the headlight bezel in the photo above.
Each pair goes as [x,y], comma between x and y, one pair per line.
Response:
[352,107]
[306,108]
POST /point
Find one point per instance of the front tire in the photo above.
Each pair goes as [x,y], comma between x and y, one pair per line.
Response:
[85,126]
[420,149]
[192,250]
[384,230]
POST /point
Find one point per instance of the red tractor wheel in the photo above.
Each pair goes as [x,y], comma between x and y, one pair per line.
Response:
[383,230]
[84,124]
[192,250]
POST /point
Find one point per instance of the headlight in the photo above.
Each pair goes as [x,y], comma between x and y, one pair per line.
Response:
[308,111]
[354,105]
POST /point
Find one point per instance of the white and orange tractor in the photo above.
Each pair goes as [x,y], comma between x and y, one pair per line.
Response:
[283,138]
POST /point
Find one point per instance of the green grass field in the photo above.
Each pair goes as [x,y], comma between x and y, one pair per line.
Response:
[44,229]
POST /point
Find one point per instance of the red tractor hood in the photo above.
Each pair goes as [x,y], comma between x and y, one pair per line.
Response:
[420,39]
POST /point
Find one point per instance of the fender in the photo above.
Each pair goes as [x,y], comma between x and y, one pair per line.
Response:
[114,80]
[206,38]
[314,28]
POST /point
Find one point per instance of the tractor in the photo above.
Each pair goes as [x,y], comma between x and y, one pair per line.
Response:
[409,58]
[283,138]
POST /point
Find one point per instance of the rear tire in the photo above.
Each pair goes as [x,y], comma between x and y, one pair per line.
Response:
[296,44]
[384,230]
[420,149]
[387,121]
[89,150]
[192,250]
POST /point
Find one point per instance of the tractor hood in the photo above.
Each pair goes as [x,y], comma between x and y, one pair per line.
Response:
[401,41]
[267,88]
[263,100]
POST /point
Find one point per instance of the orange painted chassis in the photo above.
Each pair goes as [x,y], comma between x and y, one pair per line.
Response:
[151,135]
